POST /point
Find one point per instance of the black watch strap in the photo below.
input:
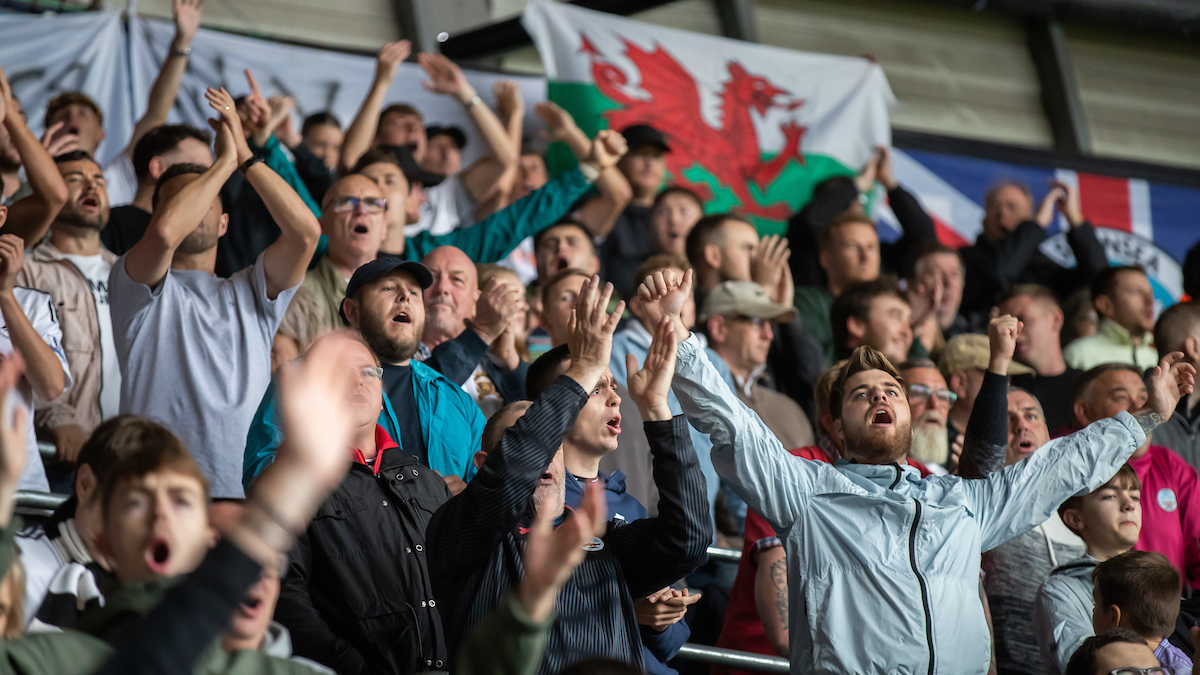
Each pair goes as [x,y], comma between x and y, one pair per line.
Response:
[249,163]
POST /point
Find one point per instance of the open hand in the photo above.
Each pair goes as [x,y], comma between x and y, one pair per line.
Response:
[551,555]
[590,340]
[59,144]
[1172,379]
[650,387]
[662,294]
[234,145]
[1068,203]
[769,261]
[1003,332]
[445,77]
[1045,212]
[186,14]
[559,124]
[883,168]
[509,103]
[925,297]
[865,180]
[389,58]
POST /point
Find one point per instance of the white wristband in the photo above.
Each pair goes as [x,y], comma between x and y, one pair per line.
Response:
[590,173]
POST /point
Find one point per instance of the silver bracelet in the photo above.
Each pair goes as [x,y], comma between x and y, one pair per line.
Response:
[181,52]
[475,100]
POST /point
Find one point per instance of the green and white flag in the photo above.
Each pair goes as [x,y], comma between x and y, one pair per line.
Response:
[749,126]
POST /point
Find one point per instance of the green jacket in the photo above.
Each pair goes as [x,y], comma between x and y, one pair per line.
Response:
[74,652]
[505,643]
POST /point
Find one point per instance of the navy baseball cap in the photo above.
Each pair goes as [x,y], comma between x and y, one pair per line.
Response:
[640,135]
[380,267]
[455,134]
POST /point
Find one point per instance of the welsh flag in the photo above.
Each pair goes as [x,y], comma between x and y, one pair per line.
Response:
[750,127]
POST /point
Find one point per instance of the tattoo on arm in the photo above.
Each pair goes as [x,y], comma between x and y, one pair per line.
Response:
[779,577]
[1149,421]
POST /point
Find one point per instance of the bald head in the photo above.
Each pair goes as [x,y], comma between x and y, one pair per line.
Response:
[451,299]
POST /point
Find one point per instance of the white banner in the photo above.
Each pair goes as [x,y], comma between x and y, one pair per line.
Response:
[45,55]
[318,80]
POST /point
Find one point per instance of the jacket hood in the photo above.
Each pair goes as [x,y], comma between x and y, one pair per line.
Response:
[1079,568]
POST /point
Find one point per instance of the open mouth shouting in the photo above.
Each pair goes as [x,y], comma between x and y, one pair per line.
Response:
[402,317]
[881,416]
[547,478]
[615,424]
[158,555]
[90,202]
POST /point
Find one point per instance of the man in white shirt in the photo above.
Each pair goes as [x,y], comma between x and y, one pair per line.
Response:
[73,267]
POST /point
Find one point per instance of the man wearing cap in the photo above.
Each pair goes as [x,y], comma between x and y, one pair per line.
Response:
[631,241]
[738,318]
[426,414]
[963,363]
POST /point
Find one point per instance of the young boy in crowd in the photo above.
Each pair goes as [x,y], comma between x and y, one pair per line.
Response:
[1139,590]
[1109,521]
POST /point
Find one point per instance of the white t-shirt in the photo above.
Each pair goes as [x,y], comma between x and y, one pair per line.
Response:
[120,180]
[39,308]
[448,206]
[480,387]
[95,269]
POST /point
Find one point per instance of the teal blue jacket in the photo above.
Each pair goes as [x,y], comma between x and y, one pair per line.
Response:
[451,424]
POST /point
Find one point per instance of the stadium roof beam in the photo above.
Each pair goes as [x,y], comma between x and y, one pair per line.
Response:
[1060,95]
[737,19]
[502,36]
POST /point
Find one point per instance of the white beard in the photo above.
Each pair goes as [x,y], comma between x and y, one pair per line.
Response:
[930,444]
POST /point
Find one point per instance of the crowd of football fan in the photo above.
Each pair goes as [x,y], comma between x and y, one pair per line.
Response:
[328,400]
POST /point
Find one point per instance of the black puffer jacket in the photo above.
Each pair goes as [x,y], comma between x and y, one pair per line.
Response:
[357,595]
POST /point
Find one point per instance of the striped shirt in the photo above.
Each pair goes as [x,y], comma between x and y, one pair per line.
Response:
[475,539]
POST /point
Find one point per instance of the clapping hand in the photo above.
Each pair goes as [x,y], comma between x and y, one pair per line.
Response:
[660,610]
[592,327]
[650,387]
[445,77]
[560,126]
[500,299]
[231,140]
[769,265]
[509,102]
[662,294]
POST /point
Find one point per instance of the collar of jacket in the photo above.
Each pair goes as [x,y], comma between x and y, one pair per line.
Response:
[887,476]
[46,252]
[1120,335]
[1080,567]
[277,642]
[126,602]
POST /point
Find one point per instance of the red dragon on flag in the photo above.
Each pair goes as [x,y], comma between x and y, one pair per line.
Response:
[731,153]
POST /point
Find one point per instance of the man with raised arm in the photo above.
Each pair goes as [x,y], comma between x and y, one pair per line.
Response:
[883,564]
[195,348]
[475,540]
[451,203]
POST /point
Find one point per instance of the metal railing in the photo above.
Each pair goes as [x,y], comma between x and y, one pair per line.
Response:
[724,554]
[733,659]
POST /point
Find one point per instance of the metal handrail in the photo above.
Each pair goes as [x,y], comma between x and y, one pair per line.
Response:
[724,554]
[46,450]
[32,499]
[734,659]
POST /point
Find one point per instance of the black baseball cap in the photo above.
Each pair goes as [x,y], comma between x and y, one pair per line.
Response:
[639,135]
[377,269]
[409,167]
[456,134]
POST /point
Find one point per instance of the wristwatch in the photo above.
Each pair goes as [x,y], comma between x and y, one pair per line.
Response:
[249,163]
[181,52]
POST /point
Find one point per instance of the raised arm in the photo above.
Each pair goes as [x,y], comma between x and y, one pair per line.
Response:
[985,443]
[176,633]
[30,217]
[745,453]
[654,552]
[1023,495]
[362,130]
[286,260]
[445,77]
[186,14]
[494,237]
[148,260]
[43,368]
[600,213]
[468,525]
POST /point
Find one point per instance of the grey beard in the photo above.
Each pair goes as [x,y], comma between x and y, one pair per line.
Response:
[930,445]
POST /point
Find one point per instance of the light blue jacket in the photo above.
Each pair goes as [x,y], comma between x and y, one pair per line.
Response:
[1062,613]
[451,425]
[883,566]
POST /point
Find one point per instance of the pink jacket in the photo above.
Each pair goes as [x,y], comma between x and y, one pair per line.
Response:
[1170,510]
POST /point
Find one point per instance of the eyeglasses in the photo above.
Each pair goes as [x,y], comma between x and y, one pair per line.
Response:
[368,372]
[1157,670]
[346,203]
[921,392]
